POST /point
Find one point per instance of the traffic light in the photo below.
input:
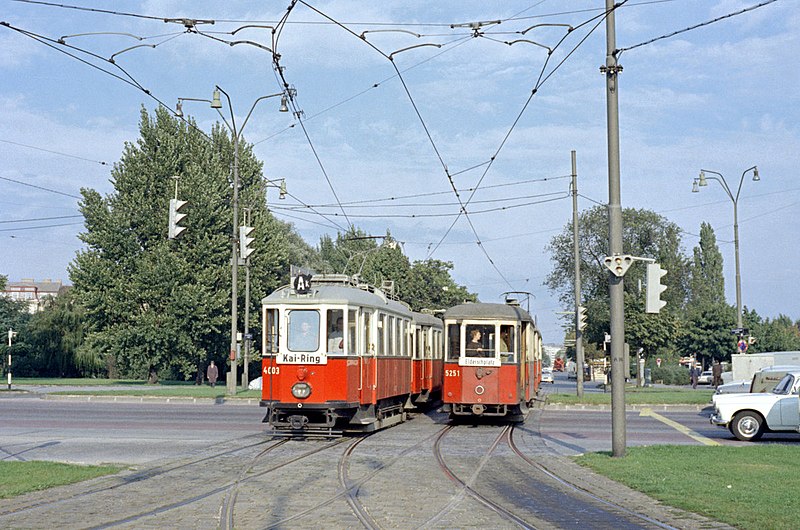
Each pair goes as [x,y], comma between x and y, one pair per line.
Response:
[581,318]
[175,217]
[653,302]
[245,239]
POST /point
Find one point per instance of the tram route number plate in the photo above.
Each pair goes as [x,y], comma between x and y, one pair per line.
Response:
[302,358]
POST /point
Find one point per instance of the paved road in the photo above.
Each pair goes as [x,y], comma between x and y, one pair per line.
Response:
[206,465]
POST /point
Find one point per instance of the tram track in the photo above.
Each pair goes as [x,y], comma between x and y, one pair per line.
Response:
[350,488]
[114,482]
[466,486]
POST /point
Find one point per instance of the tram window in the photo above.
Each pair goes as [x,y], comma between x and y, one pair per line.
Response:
[453,342]
[390,344]
[419,348]
[351,331]
[507,344]
[381,331]
[479,341]
[271,332]
[303,330]
[335,320]
[369,347]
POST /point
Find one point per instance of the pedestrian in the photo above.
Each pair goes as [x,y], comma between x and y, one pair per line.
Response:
[716,373]
[212,373]
[694,374]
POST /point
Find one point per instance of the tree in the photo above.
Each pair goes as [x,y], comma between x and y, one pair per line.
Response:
[709,318]
[54,334]
[157,304]
[707,281]
[423,284]
[645,234]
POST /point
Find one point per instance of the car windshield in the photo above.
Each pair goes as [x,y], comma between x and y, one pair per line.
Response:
[785,385]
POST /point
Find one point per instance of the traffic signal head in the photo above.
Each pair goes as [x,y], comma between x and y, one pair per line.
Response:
[175,217]
[653,301]
[581,324]
[245,240]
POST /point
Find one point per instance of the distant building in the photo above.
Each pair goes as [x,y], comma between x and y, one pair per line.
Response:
[33,292]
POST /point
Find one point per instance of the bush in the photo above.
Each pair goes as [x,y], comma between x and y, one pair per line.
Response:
[670,374]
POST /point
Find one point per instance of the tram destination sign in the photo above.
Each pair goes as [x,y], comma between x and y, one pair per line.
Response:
[302,358]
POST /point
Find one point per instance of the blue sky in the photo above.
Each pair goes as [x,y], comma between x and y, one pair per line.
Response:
[722,97]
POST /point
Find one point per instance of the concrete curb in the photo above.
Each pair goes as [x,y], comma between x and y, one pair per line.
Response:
[151,399]
[632,408]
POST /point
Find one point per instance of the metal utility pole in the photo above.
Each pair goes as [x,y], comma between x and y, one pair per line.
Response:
[577,257]
[615,283]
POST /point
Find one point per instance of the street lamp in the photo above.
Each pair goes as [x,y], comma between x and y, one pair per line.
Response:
[702,181]
[216,103]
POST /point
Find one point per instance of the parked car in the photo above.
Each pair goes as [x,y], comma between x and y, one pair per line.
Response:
[255,384]
[734,387]
[748,416]
[705,377]
[763,380]
[547,375]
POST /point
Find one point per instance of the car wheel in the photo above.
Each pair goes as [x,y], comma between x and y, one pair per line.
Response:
[747,426]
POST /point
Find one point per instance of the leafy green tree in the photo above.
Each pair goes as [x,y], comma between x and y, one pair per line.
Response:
[778,334]
[709,319]
[423,284]
[707,280]
[54,334]
[157,304]
[645,234]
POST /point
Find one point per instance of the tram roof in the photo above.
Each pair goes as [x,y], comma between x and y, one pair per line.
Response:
[335,294]
[427,320]
[488,311]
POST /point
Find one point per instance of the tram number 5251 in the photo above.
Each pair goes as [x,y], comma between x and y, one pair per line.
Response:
[452,373]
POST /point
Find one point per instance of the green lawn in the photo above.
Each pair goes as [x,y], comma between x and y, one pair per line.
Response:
[162,389]
[639,396]
[752,487]
[17,478]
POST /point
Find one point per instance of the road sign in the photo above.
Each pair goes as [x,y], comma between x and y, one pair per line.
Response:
[658,362]
[742,345]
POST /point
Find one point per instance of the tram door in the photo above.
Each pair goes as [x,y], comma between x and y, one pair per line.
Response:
[368,376]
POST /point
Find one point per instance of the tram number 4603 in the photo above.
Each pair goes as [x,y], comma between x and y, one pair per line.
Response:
[272,370]
[452,373]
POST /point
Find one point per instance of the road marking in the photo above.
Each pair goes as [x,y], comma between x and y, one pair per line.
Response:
[678,427]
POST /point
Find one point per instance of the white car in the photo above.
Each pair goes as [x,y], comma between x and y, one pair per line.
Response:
[255,384]
[705,377]
[547,375]
[748,416]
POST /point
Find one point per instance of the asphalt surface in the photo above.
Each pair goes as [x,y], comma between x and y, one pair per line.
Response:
[205,464]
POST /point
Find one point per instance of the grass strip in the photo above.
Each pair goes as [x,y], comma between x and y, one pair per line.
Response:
[638,396]
[752,487]
[17,478]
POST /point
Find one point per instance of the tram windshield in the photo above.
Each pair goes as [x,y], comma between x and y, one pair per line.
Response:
[303,330]
[506,344]
[480,340]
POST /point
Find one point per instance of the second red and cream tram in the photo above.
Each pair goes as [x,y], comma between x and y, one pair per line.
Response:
[493,360]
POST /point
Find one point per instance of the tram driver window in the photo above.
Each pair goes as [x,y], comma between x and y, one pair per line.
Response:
[478,341]
[303,330]
[335,331]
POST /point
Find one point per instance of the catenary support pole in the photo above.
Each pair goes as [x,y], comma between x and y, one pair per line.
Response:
[579,360]
[616,283]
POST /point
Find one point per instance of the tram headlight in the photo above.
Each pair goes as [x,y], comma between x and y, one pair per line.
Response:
[301,390]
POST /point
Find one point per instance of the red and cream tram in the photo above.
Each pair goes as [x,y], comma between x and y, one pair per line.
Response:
[338,356]
[493,360]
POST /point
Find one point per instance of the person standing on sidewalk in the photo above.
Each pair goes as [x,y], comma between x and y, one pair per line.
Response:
[694,374]
[212,373]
